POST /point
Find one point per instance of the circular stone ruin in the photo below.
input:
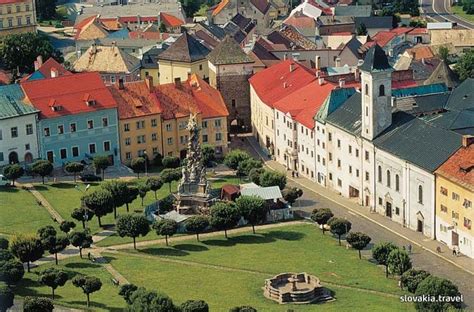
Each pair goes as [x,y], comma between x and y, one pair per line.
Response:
[300,288]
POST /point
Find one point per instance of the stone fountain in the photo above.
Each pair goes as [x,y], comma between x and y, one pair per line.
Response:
[193,190]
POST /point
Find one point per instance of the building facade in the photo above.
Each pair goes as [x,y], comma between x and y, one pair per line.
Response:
[17,16]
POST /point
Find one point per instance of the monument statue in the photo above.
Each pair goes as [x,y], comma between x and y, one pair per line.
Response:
[193,189]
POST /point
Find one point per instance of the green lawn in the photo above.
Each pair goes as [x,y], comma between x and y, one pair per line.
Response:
[106,299]
[456,9]
[19,212]
[183,270]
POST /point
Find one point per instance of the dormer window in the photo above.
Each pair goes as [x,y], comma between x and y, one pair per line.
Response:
[89,101]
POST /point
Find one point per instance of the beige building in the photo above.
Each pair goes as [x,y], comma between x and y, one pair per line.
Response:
[17,16]
[185,56]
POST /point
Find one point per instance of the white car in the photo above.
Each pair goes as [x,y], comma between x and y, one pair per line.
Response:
[4,181]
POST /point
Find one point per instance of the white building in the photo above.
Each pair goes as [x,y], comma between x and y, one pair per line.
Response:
[18,137]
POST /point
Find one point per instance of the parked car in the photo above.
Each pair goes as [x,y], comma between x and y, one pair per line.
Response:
[4,181]
[90,178]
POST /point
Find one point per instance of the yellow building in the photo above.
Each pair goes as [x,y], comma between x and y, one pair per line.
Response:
[17,16]
[153,119]
[454,199]
[185,56]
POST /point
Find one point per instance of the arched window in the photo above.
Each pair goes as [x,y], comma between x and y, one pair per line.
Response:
[366,89]
[382,90]
[388,178]
[380,174]
[420,194]
[397,183]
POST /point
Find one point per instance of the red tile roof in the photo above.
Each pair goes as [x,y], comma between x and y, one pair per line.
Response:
[151,35]
[191,96]
[459,168]
[68,92]
[382,38]
[418,31]
[51,64]
[11,1]
[276,82]
[220,7]
[170,20]
[401,30]
[135,100]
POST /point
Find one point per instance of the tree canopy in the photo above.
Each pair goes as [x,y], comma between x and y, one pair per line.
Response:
[132,226]
[53,278]
[6,297]
[155,184]
[13,172]
[80,240]
[321,216]
[412,278]
[291,194]
[436,286]
[380,253]
[194,306]
[11,271]
[101,162]
[37,304]
[273,178]
[27,249]
[253,209]
[138,165]
[170,162]
[224,216]
[234,157]
[339,227]
[166,227]
[100,201]
[169,175]
[88,284]
[196,224]
[398,261]
[465,66]
[358,241]
[74,168]
[42,168]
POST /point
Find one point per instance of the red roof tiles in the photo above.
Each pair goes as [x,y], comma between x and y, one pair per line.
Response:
[460,167]
[220,7]
[50,65]
[68,92]
[170,20]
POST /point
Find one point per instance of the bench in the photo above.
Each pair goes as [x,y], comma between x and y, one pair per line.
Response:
[115,282]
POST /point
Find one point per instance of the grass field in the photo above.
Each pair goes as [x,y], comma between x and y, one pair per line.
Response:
[19,212]
[458,11]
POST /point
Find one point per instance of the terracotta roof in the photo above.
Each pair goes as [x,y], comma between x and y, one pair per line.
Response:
[185,49]
[107,60]
[191,96]
[51,64]
[421,52]
[135,100]
[150,35]
[170,20]
[276,82]
[69,92]
[300,21]
[11,1]
[418,31]
[111,24]
[460,167]
[402,30]
[382,38]
[89,28]
[228,52]
[220,7]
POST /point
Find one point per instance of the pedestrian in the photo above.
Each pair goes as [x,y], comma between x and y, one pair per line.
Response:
[409,248]
[438,249]
[454,251]
[89,255]
[297,174]
[292,174]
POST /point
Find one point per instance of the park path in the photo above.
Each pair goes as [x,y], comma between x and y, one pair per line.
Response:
[44,203]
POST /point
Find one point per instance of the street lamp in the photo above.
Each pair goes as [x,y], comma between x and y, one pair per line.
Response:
[86,216]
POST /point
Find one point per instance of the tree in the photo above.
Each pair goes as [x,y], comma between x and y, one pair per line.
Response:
[291,194]
[37,304]
[398,261]
[80,240]
[126,292]
[224,216]
[358,241]
[465,66]
[119,191]
[158,160]
[154,183]
[196,225]
[27,249]
[254,175]
[162,27]
[89,284]
[82,214]
[339,227]
[74,168]
[53,278]
[234,157]
[132,194]
[11,271]
[243,309]
[144,300]
[244,167]
[13,172]
[46,9]
[42,168]
[273,178]
[194,306]
[166,204]
[166,227]
[253,209]
[170,175]
[19,51]
[170,162]
[66,226]
[361,30]
[380,253]
[3,243]
[100,202]
[132,226]
[138,165]
[321,216]
[101,162]
[6,255]
[190,7]
[412,278]
[51,242]
[60,243]
[208,155]
[143,188]
[436,287]
[6,297]
[443,53]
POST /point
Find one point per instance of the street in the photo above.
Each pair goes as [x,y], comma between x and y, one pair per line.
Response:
[439,11]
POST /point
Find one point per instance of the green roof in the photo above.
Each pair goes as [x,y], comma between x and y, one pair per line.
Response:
[228,52]
[11,104]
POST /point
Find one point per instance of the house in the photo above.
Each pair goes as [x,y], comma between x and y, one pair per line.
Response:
[149,64]
[229,71]
[353,10]
[185,55]
[241,28]
[262,55]
[461,39]
[390,40]
[49,69]
[89,28]
[111,62]
[18,133]
[77,120]
[418,35]
[454,199]
[18,17]
[329,25]
[374,24]
[171,22]
[312,9]
[305,25]
[443,74]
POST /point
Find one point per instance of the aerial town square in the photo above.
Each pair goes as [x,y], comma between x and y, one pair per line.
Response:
[236,155]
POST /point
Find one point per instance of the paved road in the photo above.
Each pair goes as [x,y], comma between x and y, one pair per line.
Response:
[439,10]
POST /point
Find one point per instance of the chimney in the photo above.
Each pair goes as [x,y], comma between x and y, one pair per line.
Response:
[423,61]
[285,85]
[177,82]
[291,67]
[321,81]
[337,62]
[467,140]
[121,84]
[149,83]
[342,83]
[317,62]
[54,72]
[357,74]
[39,59]
[284,56]
[390,53]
